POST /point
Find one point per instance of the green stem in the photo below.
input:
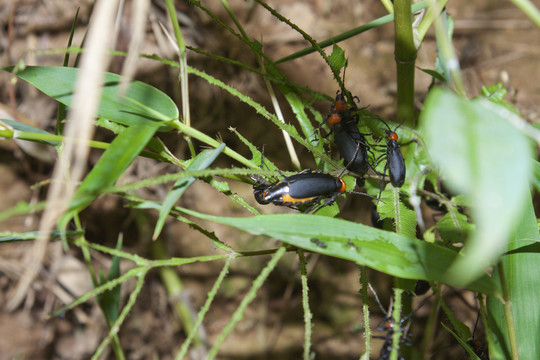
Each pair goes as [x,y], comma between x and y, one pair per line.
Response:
[305,305]
[365,310]
[405,53]
[183,75]
[429,329]
[428,20]
[41,137]
[175,289]
[239,313]
[446,50]
[204,310]
[115,328]
[286,136]
[349,34]
[306,36]
[396,317]
[388,5]
[529,9]
[508,314]
[188,130]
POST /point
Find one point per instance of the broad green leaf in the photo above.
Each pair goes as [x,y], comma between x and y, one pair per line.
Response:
[112,164]
[522,276]
[200,162]
[384,251]
[479,154]
[142,103]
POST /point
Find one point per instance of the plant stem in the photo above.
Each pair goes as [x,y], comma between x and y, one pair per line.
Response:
[446,50]
[529,9]
[175,290]
[183,76]
[349,34]
[405,53]
[508,314]
[365,310]
[305,305]
[239,313]
[396,317]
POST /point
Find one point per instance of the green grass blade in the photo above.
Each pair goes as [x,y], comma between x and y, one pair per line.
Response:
[466,346]
[142,104]
[9,236]
[200,162]
[109,301]
[522,275]
[348,34]
[115,160]
[239,313]
[384,251]
[482,156]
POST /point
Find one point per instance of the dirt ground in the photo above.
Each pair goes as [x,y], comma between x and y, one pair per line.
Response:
[495,42]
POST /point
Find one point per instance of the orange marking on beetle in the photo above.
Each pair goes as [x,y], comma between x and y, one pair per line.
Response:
[343,187]
[392,136]
[340,105]
[288,199]
[334,118]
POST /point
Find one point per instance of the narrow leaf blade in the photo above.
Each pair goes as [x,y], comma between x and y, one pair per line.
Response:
[384,251]
[200,162]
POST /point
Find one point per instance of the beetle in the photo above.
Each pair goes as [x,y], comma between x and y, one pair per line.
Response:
[394,159]
[339,112]
[304,188]
[394,162]
[352,147]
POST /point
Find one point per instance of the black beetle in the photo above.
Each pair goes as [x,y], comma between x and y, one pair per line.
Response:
[394,162]
[304,188]
[352,147]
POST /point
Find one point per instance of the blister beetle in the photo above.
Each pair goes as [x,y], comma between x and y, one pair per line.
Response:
[394,162]
[352,147]
[339,113]
[394,159]
[304,188]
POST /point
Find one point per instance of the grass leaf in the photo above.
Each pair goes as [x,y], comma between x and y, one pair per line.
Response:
[384,251]
[200,162]
[522,277]
[142,103]
[112,164]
